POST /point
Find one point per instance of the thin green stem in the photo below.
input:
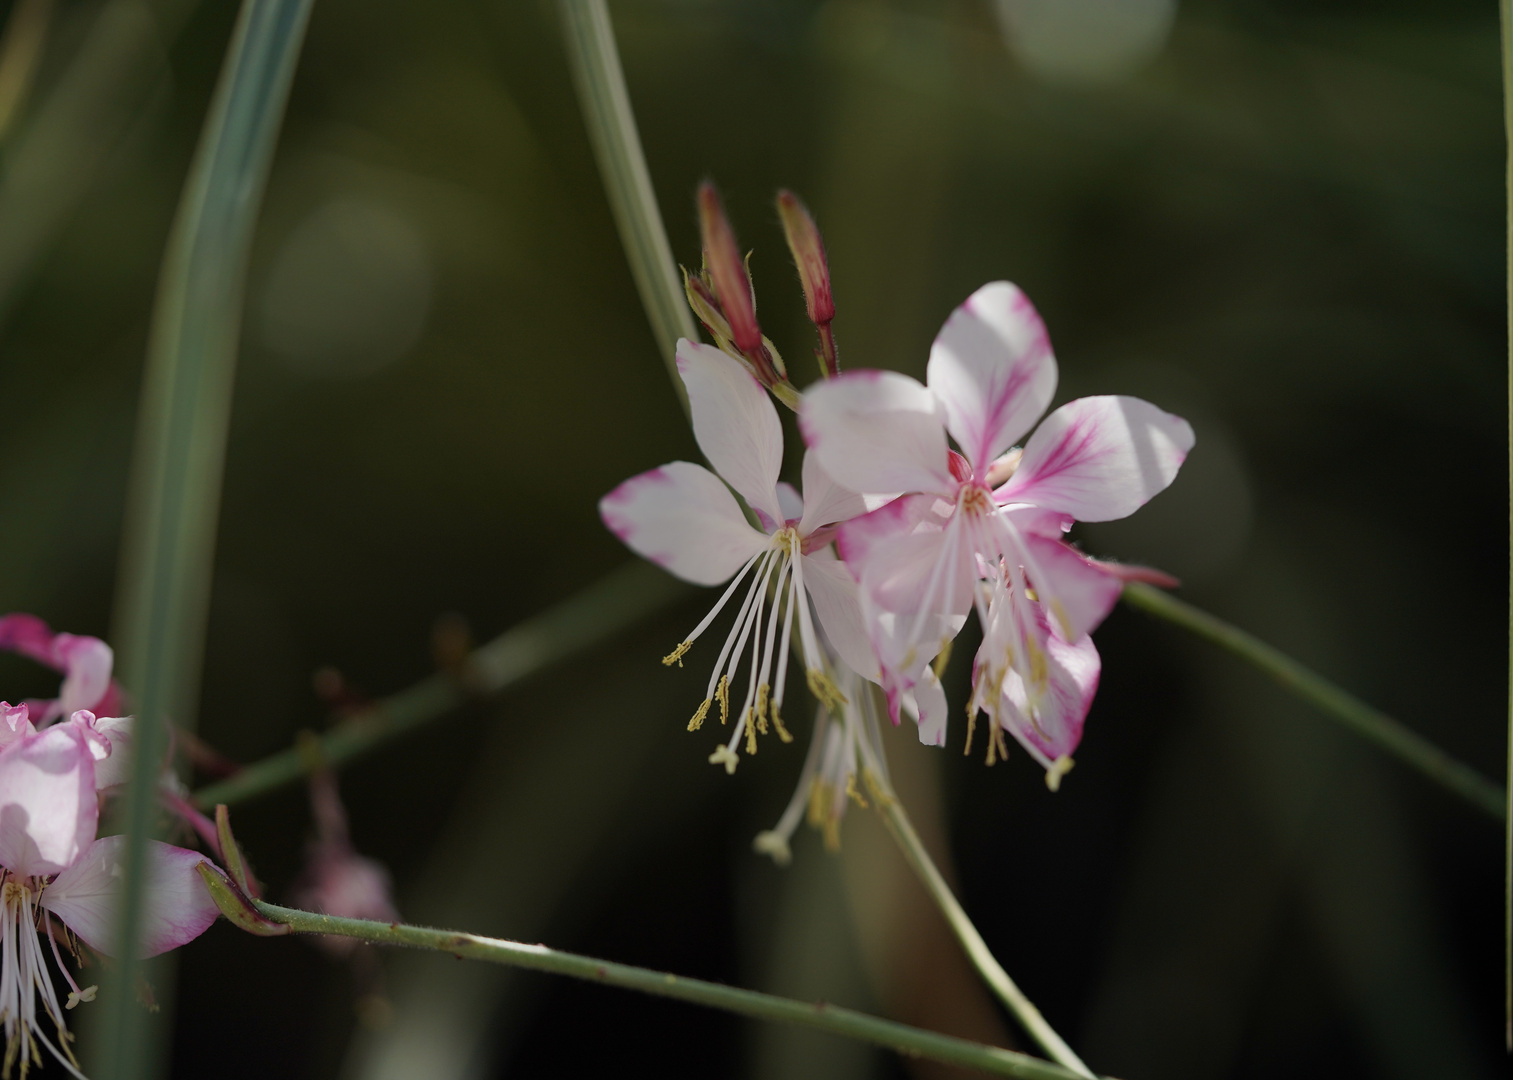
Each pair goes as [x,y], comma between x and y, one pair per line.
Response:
[1505,12]
[169,543]
[590,41]
[605,608]
[1377,727]
[981,957]
[847,1023]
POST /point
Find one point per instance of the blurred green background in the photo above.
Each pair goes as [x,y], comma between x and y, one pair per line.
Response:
[1280,219]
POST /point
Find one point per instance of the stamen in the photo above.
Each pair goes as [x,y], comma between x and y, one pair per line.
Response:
[751,733]
[698,717]
[777,722]
[1059,768]
[825,691]
[722,695]
[971,726]
[760,708]
[942,658]
[676,656]
[854,793]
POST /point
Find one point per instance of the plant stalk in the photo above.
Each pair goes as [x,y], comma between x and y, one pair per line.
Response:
[590,41]
[1374,726]
[600,611]
[981,957]
[174,501]
[1505,14]
[847,1023]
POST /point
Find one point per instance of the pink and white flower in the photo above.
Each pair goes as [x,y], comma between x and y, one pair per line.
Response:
[684,518]
[987,512]
[52,866]
[84,661]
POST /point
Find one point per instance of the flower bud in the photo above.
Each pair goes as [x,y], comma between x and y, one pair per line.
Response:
[727,270]
[808,250]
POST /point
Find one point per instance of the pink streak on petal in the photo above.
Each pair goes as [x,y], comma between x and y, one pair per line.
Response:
[992,367]
[1072,584]
[29,636]
[1100,458]
[177,906]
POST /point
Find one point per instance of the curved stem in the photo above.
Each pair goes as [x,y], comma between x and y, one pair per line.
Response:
[590,42]
[1391,735]
[992,972]
[848,1023]
[606,607]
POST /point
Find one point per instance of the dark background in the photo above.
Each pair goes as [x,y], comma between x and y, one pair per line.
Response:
[1286,224]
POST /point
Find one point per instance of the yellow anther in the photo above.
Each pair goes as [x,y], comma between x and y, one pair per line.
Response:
[971,727]
[725,756]
[942,658]
[760,708]
[997,742]
[1059,768]
[722,695]
[832,833]
[676,656]
[698,717]
[819,799]
[751,745]
[856,795]
[825,691]
[777,722]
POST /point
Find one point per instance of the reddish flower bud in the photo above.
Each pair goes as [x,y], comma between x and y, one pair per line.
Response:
[732,285]
[814,274]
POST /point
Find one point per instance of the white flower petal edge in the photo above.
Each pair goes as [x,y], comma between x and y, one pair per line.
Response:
[735,424]
[177,907]
[1100,458]
[685,520]
[992,368]
[877,431]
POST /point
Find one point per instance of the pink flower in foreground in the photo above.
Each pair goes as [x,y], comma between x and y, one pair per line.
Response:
[52,866]
[84,661]
[986,513]
[682,517]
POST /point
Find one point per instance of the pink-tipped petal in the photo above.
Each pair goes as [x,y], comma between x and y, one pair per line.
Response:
[1078,592]
[833,590]
[685,520]
[1100,458]
[27,635]
[1055,728]
[993,370]
[86,663]
[735,423]
[48,808]
[825,501]
[15,723]
[177,908]
[876,432]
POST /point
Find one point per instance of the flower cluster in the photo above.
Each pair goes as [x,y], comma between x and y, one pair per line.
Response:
[921,504]
[58,879]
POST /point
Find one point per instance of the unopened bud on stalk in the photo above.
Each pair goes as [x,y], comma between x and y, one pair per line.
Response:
[808,250]
[727,270]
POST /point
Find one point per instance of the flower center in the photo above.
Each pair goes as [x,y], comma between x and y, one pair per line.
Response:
[975,501]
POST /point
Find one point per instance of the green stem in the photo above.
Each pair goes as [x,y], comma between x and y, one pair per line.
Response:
[600,611]
[847,1023]
[981,957]
[169,543]
[590,41]
[1377,727]
[1505,12]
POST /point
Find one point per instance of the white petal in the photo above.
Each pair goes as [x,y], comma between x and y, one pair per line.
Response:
[825,501]
[1100,458]
[789,501]
[176,906]
[992,368]
[735,423]
[48,807]
[684,519]
[877,431]
[833,590]
[116,768]
[930,708]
